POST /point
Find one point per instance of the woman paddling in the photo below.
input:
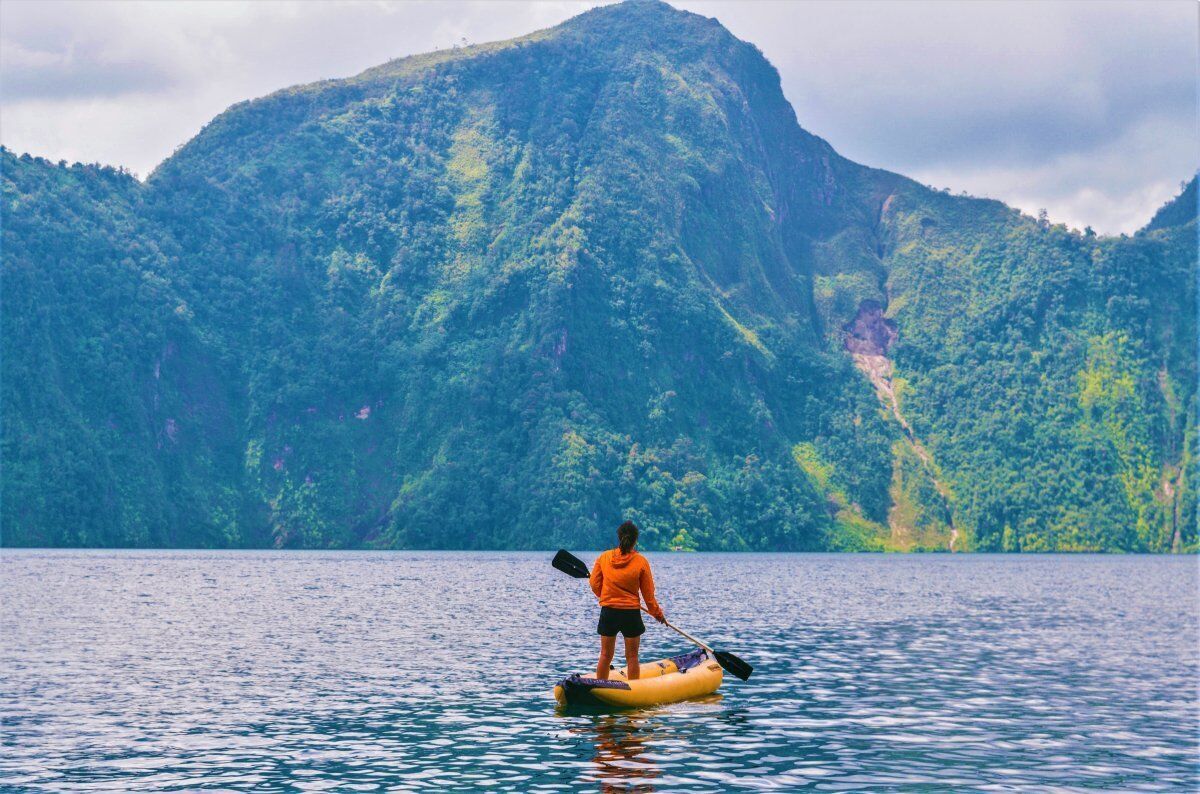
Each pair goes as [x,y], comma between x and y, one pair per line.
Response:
[617,577]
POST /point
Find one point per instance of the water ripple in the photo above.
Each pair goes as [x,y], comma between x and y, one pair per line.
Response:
[131,671]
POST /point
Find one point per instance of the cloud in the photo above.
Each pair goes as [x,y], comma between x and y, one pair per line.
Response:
[1008,80]
[1087,109]
[1115,186]
[75,72]
[49,54]
[128,82]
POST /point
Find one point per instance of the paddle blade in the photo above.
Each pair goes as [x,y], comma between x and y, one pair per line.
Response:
[734,665]
[571,565]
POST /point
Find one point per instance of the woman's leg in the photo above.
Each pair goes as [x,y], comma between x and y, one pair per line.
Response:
[632,668]
[608,646]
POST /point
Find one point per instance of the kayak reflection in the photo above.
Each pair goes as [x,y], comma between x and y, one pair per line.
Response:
[627,744]
[621,762]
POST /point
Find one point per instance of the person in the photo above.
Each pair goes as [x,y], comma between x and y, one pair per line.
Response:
[617,577]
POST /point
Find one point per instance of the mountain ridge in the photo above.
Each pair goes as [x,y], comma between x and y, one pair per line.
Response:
[596,272]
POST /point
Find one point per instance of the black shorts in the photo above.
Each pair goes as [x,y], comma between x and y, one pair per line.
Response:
[623,621]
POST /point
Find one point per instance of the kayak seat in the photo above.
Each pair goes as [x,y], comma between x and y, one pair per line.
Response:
[577,680]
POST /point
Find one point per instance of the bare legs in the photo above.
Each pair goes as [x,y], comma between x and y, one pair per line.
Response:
[608,646]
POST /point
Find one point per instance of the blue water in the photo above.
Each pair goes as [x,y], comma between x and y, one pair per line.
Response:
[280,671]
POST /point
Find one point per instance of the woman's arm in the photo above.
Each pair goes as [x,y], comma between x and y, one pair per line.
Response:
[597,577]
[646,582]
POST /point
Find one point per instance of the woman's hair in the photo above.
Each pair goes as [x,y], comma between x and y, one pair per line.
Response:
[627,536]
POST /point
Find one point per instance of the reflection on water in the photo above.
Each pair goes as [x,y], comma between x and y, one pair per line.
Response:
[625,741]
[621,762]
[259,671]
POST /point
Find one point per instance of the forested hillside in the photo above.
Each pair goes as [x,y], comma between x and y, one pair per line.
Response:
[507,295]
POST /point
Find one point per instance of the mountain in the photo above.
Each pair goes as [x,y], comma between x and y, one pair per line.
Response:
[507,295]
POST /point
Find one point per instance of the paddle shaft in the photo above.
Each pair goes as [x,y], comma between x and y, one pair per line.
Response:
[679,631]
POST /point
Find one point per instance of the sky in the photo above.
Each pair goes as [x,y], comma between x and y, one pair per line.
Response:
[1086,109]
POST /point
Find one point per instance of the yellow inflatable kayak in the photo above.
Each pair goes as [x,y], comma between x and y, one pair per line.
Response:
[690,675]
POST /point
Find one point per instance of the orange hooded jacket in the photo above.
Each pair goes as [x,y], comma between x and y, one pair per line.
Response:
[617,577]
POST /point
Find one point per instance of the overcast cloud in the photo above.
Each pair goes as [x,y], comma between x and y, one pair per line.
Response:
[1086,109]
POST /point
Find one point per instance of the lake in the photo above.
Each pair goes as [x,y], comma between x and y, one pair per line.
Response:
[365,671]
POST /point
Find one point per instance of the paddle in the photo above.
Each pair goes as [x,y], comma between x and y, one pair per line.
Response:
[571,565]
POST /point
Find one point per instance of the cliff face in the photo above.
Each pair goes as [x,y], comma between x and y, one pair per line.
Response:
[507,295]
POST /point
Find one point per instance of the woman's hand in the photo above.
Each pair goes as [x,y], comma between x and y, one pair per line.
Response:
[661,617]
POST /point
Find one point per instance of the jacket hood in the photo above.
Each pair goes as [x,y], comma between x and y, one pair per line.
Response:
[620,559]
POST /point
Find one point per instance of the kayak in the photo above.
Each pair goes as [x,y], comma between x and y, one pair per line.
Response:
[689,675]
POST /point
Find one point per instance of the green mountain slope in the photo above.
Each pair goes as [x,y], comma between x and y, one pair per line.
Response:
[506,295]
[1050,374]
[118,427]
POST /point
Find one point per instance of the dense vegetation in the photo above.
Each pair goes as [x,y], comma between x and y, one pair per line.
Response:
[1053,374]
[508,295]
